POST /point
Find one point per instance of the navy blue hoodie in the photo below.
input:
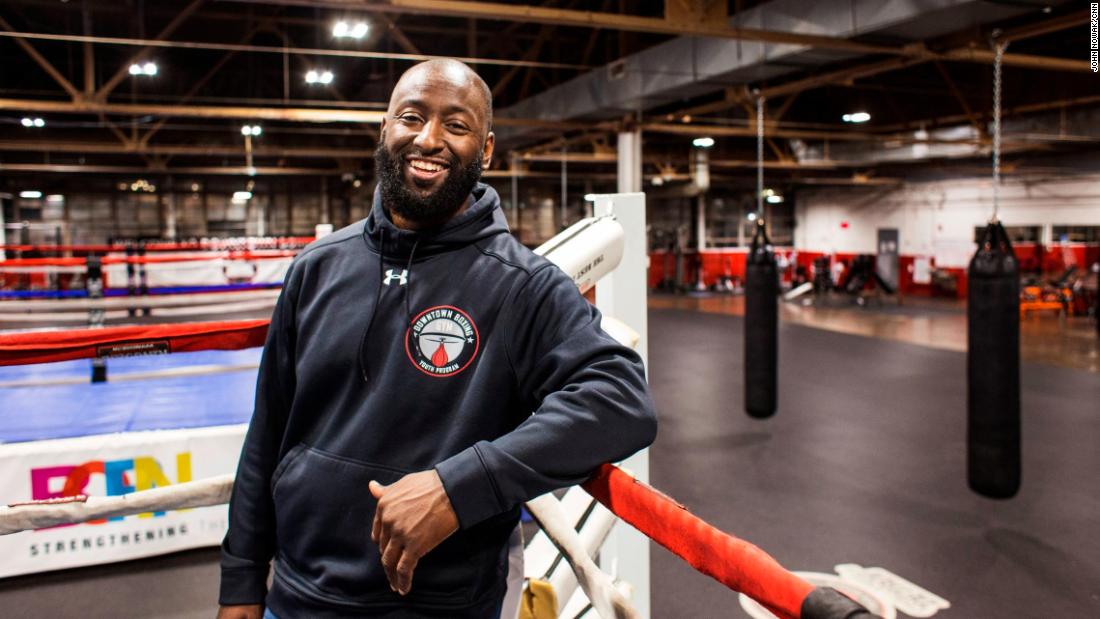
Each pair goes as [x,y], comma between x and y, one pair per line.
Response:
[390,352]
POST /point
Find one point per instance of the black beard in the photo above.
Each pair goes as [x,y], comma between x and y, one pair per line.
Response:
[431,209]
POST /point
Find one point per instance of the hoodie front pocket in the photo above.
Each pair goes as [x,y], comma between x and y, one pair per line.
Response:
[324,513]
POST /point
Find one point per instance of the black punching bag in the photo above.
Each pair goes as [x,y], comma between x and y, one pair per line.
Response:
[993,367]
[761,324]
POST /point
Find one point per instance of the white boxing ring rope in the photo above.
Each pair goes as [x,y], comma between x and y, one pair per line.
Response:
[575,527]
[137,302]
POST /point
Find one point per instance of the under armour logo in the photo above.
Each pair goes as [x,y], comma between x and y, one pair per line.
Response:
[391,275]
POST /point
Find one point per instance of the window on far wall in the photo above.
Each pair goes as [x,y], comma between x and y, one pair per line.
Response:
[1076,234]
[1016,234]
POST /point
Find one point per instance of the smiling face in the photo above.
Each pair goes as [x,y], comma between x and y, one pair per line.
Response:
[435,141]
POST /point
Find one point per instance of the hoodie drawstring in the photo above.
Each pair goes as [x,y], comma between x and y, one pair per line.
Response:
[363,359]
[408,279]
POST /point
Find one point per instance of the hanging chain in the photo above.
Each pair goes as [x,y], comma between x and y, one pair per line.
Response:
[760,157]
[999,50]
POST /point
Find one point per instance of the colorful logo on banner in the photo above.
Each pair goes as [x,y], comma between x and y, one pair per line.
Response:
[118,477]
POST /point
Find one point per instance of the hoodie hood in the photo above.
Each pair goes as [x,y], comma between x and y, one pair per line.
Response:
[484,218]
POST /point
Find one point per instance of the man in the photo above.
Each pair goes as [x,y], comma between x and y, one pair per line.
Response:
[424,374]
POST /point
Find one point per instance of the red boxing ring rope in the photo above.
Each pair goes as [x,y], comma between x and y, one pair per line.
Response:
[48,346]
[273,254]
[735,563]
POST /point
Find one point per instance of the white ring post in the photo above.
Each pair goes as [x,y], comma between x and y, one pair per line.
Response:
[622,295]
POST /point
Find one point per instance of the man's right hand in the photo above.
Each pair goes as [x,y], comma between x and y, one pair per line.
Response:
[251,611]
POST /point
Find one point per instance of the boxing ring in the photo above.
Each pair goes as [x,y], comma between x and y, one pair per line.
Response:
[151,471]
[112,284]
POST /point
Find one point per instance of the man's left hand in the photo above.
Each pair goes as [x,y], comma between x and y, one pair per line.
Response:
[414,515]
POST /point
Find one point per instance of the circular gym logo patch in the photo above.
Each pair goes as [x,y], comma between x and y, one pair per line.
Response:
[442,341]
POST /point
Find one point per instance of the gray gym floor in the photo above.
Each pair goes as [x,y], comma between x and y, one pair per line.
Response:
[864,463]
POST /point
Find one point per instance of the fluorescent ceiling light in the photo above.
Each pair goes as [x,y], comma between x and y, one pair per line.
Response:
[241,196]
[149,68]
[752,216]
[703,142]
[856,117]
[344,30]
[319,77]
[55,198]
[254,130]
[589,197]
[30,195]
[774,199]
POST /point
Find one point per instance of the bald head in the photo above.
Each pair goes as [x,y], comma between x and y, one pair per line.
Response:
[448,75]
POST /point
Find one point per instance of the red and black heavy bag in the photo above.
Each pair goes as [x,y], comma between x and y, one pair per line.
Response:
[761,326]
[993,367]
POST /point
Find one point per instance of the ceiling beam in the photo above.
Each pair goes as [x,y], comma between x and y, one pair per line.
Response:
[571,157]
[1023,61]
[321,115]
[975,121]
[167,31]
[770,130]
[214,171]
[1030,108]
[51,146]
[531,54]
[1055,24]
[268,49]
[45,64]
[625,23]
[315,115]
[840,76]
[197,86]
[399,36]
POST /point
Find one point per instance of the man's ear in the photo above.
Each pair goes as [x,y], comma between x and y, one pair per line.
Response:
[487,152]
[382,129]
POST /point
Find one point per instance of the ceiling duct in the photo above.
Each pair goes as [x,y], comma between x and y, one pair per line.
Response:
[688,67]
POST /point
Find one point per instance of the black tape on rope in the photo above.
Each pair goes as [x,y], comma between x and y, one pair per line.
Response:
[761,326]
[993,367]
[827,603]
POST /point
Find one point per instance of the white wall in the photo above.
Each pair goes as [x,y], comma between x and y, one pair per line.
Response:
[938,218]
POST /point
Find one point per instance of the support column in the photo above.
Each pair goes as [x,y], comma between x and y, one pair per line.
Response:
[169,231]
[700,175]
[325,215]
[3,231]
[630,161]
[700,222]
[261,217]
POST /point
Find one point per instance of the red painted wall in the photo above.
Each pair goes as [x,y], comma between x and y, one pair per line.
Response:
[1034,258]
